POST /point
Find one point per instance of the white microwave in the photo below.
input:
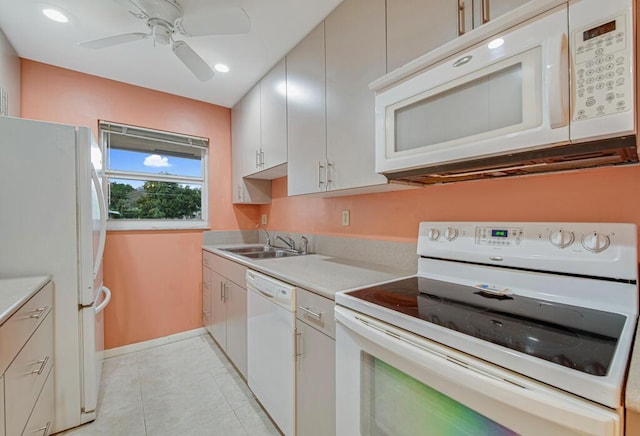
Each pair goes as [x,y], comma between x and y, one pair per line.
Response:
[562,78]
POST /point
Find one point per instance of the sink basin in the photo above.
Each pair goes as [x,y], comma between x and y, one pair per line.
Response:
[259,252]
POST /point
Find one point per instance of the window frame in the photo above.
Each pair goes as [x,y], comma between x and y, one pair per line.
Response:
[106,128]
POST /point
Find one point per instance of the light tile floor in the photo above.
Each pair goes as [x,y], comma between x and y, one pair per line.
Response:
[183,388]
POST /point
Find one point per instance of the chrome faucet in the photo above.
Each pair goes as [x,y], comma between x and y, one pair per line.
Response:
[288,241]
[305,243]
[267,244]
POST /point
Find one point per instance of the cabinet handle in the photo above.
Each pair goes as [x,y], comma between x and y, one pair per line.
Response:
[221,291]
[224,292]
[461,23]
[485,11]
[298,344]
[320,168]
[42,363]
[310,312]
[38,312]
[46,429]
[327,174]
[257,158]
[262,159]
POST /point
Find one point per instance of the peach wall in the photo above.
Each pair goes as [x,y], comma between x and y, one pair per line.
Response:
[602,194]
[154,276]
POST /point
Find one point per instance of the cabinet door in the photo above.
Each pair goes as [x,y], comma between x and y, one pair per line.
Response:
[273,116]
[355,56]
[236,301]
[487,10]
[306,114]
[218,310]
[251,137]
[206,297]
[315,382]
[415,27]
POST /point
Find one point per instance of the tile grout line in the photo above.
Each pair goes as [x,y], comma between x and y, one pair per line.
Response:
[144,415]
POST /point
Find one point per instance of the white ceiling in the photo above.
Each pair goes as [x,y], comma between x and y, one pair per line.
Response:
[276,27]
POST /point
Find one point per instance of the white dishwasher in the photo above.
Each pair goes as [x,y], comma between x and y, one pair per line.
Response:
[270,347]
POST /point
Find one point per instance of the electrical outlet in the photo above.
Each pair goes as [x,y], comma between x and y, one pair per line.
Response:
[345,217]
[263,219]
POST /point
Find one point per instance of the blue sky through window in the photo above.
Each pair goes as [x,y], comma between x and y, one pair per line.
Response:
[126,160]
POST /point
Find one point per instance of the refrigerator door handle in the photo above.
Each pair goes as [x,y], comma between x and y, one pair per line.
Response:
[105,302]
[103,222]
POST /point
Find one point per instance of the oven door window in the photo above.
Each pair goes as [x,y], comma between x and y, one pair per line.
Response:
[396,404]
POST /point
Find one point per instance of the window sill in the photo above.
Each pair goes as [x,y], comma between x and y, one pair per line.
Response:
[115,225]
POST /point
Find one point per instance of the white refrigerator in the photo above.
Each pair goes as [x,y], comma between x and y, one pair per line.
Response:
[53,221]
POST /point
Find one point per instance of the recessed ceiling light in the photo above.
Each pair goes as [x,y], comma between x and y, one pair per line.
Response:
[221,68]
[55,15]
[496,43]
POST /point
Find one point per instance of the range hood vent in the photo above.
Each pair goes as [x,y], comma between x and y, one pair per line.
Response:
[616,151]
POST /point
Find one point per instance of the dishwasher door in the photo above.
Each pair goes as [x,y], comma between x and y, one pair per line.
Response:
[270,347]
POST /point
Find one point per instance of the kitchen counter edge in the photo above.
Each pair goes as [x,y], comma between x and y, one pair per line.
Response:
[16,291]
[266,267]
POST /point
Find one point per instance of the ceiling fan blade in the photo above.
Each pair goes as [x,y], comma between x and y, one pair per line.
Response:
[113,40]
[218,21]
[193,61]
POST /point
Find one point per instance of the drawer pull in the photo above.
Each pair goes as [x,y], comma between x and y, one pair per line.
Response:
[36,314]
[310,312]
[42,363]
[45,429]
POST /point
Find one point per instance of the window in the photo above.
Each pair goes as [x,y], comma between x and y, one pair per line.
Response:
[154,179]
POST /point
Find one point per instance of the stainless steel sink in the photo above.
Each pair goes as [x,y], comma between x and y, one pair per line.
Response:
[262,252]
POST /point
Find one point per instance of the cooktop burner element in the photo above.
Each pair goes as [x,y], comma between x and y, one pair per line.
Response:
[576,337]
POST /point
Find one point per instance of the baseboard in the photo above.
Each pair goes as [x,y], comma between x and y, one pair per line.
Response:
[132,348]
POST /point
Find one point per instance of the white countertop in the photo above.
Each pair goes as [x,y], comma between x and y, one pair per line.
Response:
[15,292]
[323,275]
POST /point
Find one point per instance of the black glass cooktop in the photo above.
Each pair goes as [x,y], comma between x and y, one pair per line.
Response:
[576,337]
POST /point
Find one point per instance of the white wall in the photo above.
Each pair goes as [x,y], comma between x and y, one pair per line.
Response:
[10,74]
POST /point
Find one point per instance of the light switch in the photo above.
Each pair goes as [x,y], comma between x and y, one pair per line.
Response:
[263,219]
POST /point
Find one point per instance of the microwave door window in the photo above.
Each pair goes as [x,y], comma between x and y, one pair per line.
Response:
[503,97]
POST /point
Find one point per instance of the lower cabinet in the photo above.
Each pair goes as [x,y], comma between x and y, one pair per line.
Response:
[40,422]
[224,307]
[315,365]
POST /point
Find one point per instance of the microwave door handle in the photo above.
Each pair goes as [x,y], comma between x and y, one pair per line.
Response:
[558,82]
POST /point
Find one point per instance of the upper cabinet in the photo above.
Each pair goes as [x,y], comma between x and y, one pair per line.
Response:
[306,109]
[415,27]
[273,122]
[330,107]
[262,144]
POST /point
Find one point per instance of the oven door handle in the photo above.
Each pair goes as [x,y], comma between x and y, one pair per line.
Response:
[478,385]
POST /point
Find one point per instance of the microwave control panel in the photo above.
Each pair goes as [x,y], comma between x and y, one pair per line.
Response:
[602,69]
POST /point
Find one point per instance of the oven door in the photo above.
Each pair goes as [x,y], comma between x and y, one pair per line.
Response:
[391,382]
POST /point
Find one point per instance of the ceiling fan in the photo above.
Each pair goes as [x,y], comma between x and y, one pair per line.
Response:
[166,18]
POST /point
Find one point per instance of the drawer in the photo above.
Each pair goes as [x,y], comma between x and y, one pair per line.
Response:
[41,419]
[317,311]
[17,330]
[206,258]
[26,376]
[229,269]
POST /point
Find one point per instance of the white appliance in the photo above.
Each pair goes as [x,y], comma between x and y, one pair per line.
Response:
[507,328]
[270,347]
[53,221]
[534,97]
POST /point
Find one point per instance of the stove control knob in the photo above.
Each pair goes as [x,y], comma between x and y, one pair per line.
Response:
[595,242]
[562,238]
[450,233]
[433,234]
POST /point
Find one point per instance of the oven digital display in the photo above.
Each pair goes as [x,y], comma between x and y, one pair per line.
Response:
[600,30]
[499,233]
